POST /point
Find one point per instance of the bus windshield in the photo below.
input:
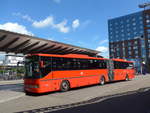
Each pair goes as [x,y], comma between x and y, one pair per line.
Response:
[32,67]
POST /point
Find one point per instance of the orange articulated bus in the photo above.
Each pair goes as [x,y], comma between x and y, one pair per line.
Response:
[49,72]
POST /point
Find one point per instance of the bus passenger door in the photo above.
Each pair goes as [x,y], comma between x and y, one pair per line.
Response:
[110,70]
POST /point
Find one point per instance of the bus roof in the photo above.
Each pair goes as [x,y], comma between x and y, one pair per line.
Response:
[69,56]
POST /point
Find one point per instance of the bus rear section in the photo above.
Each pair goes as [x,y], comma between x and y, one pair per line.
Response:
[46,73]
[120,69]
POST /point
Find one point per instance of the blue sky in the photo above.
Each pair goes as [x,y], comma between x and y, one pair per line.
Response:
[77,22]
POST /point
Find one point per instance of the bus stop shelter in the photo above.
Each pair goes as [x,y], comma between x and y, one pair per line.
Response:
[20,43]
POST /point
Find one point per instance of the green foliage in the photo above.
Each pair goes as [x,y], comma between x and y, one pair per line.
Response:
[18,70]
[21,70]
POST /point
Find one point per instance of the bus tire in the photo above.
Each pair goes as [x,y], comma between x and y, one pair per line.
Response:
[65,85]
[102,80]
[28,93]
[127,78]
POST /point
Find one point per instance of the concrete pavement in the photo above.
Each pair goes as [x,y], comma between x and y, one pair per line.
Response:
[25,103]
[10,90]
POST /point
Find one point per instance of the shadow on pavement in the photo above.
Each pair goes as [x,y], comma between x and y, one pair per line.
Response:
[130,102]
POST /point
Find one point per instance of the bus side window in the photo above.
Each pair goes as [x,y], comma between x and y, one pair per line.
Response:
[84,64]
[78,64]
[55,63]
[120,65]
[74,63]
[105,65]
[115,65]
[46,66]
[102,64]
[130,66]
[123,65]
[90,64]
[95,64]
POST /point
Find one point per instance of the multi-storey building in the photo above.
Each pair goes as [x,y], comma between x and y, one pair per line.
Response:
[129,37]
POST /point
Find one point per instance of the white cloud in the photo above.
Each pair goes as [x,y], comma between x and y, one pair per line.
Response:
[43,23]
[50,38]
[85,24]
[57,1]
[26,17]
[102,49]
[103,42]
[75,23]
[62,26]
[15,27]
[37,24]
[47,22]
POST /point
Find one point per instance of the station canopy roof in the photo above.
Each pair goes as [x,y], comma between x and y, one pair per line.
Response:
[20,43]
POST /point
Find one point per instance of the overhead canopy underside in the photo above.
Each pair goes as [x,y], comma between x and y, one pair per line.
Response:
[19,43]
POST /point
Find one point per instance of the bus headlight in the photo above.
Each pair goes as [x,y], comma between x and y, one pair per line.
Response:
[35,86]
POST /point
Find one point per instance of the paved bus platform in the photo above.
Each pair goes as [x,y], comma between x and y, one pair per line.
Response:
[11,89]
[12,94]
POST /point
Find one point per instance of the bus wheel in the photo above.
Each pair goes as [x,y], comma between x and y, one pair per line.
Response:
[65,86]
[102,80]
[127,78]
[28,93]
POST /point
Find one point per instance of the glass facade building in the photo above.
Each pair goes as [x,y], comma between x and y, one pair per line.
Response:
[129,37]
[126,27]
